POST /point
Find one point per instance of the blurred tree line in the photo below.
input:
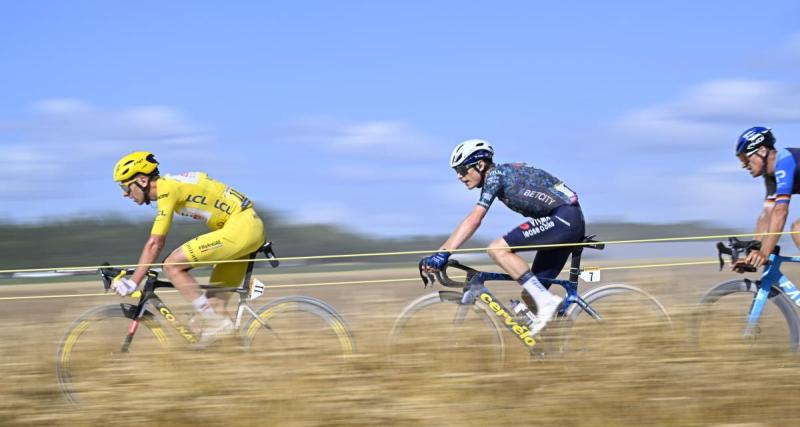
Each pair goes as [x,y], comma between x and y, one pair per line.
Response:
[87,242]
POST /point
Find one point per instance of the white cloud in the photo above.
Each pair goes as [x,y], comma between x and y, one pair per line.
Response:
[70,138]
[385,139]
[362,172]
[78,121]
[322,212]
[61,107]
[712,111]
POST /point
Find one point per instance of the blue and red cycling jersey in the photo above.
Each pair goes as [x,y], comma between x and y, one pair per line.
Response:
[785,181]
[525,189]
[556,216]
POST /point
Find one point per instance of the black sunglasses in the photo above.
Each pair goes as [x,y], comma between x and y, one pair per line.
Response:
[463,169]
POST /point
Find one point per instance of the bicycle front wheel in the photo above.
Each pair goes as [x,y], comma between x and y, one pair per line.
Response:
[436,333]
[720,323]
[298,329]
[617,317]
[85,367]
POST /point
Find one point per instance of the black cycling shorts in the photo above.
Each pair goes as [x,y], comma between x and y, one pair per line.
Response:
[564,224]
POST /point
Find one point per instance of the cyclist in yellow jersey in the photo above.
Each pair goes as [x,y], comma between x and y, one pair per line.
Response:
[236,232]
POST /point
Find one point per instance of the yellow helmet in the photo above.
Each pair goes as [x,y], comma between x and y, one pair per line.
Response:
[137,162]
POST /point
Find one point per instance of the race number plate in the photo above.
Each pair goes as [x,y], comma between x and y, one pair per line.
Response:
[591,275]
[256,288]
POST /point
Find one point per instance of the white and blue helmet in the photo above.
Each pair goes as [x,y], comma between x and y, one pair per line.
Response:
[470,151]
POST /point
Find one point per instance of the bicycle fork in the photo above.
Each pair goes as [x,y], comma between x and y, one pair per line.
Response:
[760,300]
[134,326]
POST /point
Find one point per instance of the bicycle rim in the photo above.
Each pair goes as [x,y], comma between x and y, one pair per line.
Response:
[720,323]
[84,359]
[621,319]
[298,330]
[435,333]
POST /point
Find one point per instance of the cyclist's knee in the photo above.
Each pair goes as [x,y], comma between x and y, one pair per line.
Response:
[498,248]
[795,229]
[176,262]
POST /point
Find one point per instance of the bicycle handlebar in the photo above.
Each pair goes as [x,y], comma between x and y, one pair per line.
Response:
[109,274]
[442,277]
[736,248]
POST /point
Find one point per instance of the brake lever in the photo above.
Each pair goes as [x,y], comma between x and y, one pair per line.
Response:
[421,275]
[107,283]
[722,249]
[738,247]
[426,276]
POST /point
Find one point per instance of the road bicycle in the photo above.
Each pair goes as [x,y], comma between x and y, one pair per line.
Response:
[292,326]
[758,313]
[471,322]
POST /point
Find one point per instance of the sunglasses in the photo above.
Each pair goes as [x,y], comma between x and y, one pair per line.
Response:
[745,158]
[462,170]
[126,187]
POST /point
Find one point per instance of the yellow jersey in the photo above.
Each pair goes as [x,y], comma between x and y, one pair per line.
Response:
[195,195]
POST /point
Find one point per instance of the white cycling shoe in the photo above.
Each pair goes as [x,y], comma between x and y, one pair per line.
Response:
[546,312]
[216,328]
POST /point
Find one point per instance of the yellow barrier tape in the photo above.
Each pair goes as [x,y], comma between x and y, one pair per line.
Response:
[422,252]
[297,285]
[371,282]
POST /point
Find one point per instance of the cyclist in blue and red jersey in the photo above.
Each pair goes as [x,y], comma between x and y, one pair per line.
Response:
[556,217]
[756,150]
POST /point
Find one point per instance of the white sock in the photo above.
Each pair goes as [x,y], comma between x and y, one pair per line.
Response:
[203,307]
[539,293]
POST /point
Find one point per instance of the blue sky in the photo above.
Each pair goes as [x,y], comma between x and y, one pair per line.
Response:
[346,112]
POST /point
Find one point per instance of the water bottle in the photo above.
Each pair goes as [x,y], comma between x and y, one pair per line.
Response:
[521,310]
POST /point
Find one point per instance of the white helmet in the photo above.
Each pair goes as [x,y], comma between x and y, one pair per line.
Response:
[470,151]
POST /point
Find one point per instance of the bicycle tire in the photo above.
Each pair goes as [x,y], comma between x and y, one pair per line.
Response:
[781,311]
[299,326]
[77,348]
[626,316]
[457,345]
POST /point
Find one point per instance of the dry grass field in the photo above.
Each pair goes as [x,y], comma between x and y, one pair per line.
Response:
[633,374]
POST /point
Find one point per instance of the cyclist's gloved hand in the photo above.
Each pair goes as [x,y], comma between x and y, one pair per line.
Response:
[754,260]
[124,286]
[436,261]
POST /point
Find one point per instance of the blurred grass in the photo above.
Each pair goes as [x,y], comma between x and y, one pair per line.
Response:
[633,375]
[645,379]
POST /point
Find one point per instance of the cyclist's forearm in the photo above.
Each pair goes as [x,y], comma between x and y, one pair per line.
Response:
[763,221]
[149,255]
[777,220]
[465,230]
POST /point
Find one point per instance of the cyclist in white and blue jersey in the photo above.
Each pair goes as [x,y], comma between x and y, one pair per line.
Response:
[756,150]
[553,209]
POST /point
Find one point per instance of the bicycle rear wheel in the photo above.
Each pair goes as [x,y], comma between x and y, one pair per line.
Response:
[84,367]
[618,318]
[436,333]
[721,320]
[296,331]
